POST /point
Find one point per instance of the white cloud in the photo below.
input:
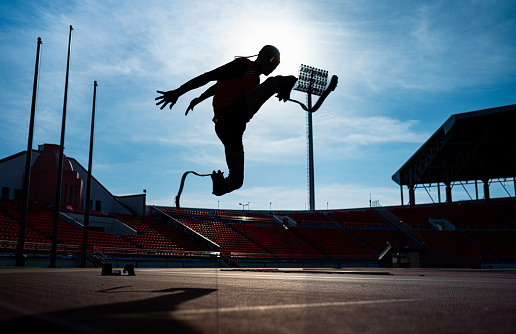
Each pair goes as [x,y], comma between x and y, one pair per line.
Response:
[277,134]
[360,131]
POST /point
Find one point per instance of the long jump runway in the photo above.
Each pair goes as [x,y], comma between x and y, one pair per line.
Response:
[254,301]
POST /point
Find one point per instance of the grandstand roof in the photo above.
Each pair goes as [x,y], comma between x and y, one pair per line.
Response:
[478,145]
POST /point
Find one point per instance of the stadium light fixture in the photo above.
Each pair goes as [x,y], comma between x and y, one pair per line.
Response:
[311,80]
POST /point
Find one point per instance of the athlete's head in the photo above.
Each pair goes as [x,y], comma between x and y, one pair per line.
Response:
[268,59]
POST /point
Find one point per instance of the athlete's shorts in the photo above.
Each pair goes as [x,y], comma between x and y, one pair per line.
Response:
[230,124]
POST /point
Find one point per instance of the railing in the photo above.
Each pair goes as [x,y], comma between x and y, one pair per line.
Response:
[401,225]
[366,225]
[317,223]
[103,253]
[39,247]
[106,252]
[285,220]
[301,257]
[244,219]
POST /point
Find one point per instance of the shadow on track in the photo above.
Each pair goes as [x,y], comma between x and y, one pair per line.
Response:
[140,316]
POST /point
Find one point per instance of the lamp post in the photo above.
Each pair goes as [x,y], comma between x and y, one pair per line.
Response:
[311,81]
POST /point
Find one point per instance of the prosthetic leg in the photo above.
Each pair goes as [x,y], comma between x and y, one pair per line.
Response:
[178,196]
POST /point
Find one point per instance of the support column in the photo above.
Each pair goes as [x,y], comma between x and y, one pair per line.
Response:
[311,156]
[448,194]
[401,192]
[486,190]
[412,197]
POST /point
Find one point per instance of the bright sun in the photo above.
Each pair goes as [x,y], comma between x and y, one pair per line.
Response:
[289,36]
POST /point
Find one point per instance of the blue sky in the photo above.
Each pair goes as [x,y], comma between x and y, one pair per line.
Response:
[404,67]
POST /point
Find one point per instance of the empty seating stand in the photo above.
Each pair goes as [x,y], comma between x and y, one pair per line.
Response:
[501,243]
[379,239]
[189,214]
[40,225]
[153,234]
[359,218]
[230,241]
[312,219]
[278,241]
[507,209]
[475,216]
[10,229]
[455,242]
[337,243]
[480,231]
[417,218]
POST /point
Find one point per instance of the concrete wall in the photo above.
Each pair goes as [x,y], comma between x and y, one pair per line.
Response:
[12,170]
[99,194]
[135,202]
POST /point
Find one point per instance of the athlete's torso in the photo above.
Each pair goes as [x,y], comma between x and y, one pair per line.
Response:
[228,91]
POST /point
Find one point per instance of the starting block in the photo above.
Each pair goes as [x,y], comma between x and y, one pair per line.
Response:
[107,270]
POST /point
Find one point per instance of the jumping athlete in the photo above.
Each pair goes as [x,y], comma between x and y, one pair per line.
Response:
[237,96]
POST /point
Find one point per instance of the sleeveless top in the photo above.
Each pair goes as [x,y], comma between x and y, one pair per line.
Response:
[228,91]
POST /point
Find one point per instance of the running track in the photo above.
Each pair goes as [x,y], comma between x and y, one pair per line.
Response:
[254,301]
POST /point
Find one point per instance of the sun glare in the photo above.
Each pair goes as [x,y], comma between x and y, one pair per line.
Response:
[288,34]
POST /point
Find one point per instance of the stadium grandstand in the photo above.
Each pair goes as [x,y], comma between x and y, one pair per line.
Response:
[477,146]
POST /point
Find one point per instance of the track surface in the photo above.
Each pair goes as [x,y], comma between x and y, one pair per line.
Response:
[234,301]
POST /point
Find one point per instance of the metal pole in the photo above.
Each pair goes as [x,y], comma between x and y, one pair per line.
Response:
[20,260]
[311,81]
[84,252]
[57,203]
[311,150]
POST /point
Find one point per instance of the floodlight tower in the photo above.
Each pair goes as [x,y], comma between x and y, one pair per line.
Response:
[311,81]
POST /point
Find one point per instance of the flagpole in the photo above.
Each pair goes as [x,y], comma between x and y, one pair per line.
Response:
[84,252]
[20,259]
[57,203]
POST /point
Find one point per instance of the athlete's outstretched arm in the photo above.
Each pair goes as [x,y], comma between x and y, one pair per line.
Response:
[234,69]
[208,93]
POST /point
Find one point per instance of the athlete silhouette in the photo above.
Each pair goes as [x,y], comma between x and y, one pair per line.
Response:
[237,96]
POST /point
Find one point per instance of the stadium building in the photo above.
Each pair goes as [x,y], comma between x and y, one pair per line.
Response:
[478,147]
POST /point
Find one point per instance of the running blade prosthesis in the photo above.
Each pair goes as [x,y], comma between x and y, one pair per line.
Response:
[183,184]
[329,89]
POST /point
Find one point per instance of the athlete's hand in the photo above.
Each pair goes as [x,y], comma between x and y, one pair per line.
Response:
[194,102]
[167,97]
